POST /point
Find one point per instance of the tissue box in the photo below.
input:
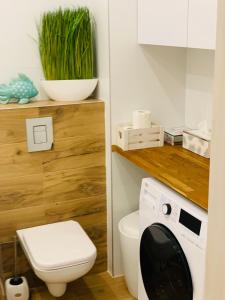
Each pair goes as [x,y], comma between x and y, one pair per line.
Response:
[197,142]
[174,135]
[129,138]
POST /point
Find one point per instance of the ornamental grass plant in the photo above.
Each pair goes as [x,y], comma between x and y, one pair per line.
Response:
[66,44]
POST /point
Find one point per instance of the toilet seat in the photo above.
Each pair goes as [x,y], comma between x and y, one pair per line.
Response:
[58,245]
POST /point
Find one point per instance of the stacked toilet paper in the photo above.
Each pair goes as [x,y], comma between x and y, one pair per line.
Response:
[141,119]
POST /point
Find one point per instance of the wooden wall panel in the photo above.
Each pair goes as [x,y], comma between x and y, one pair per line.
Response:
[76,120]
[22,191]
[67,182]
[71,150]
[66,185]
[15,161]
[12,129]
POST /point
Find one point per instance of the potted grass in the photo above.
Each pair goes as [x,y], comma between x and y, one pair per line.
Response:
[67,54]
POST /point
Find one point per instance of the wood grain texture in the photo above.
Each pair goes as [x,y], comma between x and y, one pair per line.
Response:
[76,151]
[67,182]
[91,287]
[47,103]
[15,161]
[184,171]
[84,210]
[85,120]
[12,129]
[22,191]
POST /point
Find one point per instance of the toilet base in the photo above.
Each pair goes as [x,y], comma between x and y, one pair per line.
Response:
[56,289]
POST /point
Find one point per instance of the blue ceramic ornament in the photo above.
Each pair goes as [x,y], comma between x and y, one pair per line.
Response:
[18,90]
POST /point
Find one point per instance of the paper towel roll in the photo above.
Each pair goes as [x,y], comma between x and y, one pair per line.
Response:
[141,119]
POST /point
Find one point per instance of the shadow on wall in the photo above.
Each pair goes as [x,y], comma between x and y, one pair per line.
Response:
[200,63]
[169,68]
[199,86]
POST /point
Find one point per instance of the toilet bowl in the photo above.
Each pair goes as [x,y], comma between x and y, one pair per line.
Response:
[58,253]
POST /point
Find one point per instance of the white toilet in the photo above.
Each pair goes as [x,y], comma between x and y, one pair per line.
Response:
[58,253]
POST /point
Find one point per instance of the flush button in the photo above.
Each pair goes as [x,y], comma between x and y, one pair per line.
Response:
[40,134]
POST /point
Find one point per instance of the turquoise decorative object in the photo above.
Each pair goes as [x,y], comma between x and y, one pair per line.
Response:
[18,90]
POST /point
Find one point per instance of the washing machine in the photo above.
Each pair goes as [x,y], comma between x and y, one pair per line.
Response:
[173,236]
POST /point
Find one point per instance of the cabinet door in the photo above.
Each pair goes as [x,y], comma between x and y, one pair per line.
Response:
[163,22]
[202,24]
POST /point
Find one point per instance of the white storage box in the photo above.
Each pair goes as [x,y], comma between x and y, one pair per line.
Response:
[129,138]
[197,142]
[173,135]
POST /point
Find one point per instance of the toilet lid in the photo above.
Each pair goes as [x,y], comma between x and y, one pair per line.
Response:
[58,245]
[129,225]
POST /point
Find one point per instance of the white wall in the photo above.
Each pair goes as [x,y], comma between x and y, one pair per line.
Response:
[147,77]
[215,271]
[143,77]
[199,87]
[18,43]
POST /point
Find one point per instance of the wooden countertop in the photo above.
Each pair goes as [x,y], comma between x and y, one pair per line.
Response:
[184,171]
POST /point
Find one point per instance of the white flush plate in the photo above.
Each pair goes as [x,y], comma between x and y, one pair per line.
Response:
[39,134]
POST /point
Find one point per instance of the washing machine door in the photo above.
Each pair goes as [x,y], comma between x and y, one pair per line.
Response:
[164,268]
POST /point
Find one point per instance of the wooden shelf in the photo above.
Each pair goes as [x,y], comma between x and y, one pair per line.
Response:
[185,172]
[44,103]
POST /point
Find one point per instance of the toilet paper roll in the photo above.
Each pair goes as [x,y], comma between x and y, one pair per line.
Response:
[141,119]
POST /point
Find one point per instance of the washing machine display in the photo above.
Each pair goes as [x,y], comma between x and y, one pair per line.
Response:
[173,234]
[190,222]
[164,267]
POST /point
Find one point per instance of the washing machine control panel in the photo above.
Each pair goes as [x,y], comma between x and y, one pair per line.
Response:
[190,227]
[166,207]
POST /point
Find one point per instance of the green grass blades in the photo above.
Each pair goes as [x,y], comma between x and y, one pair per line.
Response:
[66,44]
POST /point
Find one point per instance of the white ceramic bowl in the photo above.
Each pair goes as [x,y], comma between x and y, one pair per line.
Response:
[69,90]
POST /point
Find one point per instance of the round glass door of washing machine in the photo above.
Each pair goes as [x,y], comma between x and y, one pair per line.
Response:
[164,267]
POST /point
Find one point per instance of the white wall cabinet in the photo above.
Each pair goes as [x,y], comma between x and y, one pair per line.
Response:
[180,23]
[163,22]
[202,24]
